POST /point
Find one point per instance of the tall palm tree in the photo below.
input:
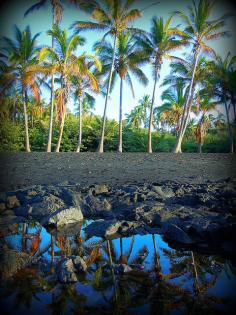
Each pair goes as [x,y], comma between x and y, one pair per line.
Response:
[57,9]
[113,17]
[67,65]
[21,71]
[56,18]
[128,60]
[157,45]
[200,28]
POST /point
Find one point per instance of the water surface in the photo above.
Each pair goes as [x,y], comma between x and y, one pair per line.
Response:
[162,280]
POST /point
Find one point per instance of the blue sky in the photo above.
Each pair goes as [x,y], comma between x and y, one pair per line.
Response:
[40,21]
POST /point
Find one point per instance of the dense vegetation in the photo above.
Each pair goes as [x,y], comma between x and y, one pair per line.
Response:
[198,104]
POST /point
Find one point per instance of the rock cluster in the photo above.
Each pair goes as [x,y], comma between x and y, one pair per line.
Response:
[187,214]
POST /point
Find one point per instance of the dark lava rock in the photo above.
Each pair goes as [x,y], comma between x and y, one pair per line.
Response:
[64,217]
[102,228]
[174,233]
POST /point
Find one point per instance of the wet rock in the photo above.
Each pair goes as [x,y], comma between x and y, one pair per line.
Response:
[174,233]
[12,202]
[163,192]
[79,264]
[65,271]
[122,269]
[63,217]
[93,206]
[100,189]
[102,228]
[72,229]
[11,261]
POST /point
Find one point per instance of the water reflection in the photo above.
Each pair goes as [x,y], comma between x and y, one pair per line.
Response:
[132,275]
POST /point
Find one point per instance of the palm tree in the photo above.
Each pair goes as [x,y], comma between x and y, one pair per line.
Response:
[139,113]
[21,70]
[172,107]
[136,117]
[128,60]
[57,8]
[205,103]
[157,44]
[200,28]
[113,17]
[82,86]
[222,73]
[67,65]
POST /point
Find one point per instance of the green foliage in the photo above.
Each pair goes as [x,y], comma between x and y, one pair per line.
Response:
[11,136]
[134,139]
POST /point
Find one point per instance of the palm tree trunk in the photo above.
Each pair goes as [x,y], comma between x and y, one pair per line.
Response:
[121,247]
[60,133]
[156,256]
[234,106]
[49,145]
[27,145]
[197,286]
[112,269]
[101,142]
[187,108]
[80,125]
[52,249]
[151,111]
[229,128]
[120,120]
[200,147]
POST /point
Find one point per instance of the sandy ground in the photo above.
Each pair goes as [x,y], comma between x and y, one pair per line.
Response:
[25,169]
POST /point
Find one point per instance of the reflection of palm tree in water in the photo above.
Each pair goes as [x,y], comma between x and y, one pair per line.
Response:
[203,271]
[34,239]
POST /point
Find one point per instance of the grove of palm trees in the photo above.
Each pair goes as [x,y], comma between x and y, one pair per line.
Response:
[190,84]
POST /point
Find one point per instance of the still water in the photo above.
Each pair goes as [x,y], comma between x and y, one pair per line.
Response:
[157,278]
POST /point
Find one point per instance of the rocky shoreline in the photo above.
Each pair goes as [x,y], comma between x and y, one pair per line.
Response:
[200,216]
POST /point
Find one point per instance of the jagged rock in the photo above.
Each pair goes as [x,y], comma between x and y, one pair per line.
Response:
[102,228]
[66,271]
[100,189]
[72,229]
[12,202]
[174,233]
[63,217]
[164,192]
[11,261]
[79,264]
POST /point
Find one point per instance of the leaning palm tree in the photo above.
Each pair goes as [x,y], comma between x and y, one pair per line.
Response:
[128,60]
[113,17]
[66,64]
[57,8]
[21,69]
[157,45]
[200,28]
